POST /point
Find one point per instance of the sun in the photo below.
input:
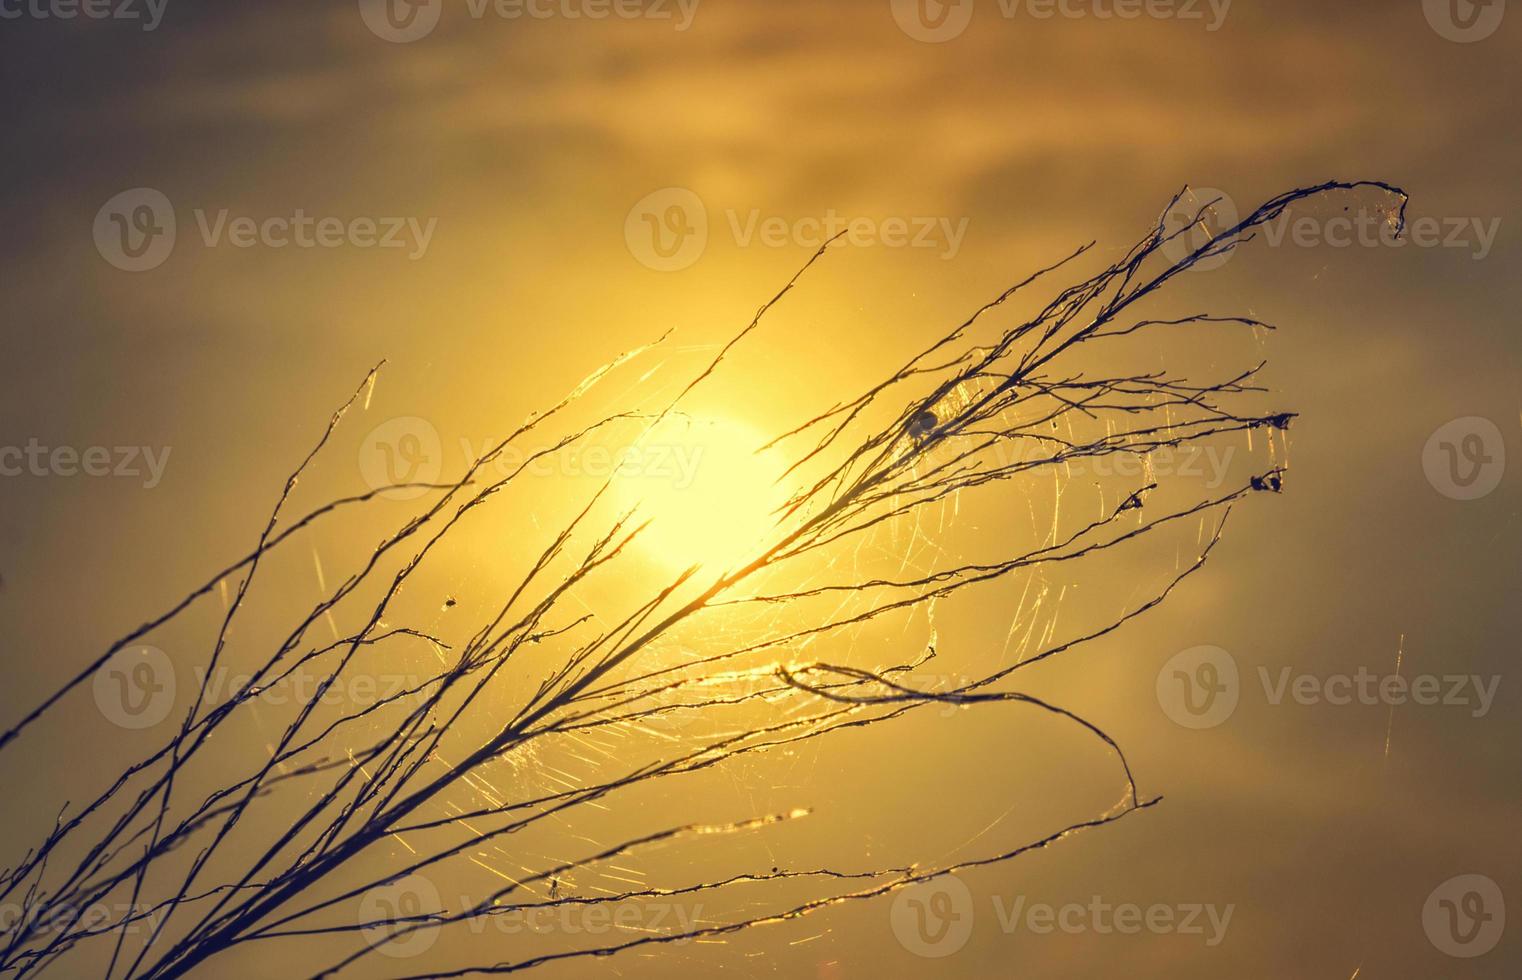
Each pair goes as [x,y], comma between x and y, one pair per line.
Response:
[707,490]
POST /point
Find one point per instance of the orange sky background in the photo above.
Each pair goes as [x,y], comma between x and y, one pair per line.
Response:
[527,145]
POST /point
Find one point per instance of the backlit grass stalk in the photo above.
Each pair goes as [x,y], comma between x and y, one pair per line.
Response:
[939,428]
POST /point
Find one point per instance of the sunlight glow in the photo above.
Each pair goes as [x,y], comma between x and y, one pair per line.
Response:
[707,492]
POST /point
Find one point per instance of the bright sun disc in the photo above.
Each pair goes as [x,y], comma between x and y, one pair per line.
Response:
[707,492]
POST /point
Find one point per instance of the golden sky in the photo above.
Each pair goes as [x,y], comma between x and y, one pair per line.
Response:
[527,168]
